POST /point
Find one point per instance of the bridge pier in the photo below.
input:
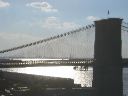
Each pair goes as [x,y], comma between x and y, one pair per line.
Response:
[107,72]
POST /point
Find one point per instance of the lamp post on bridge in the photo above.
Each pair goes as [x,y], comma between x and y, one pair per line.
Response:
[107,71]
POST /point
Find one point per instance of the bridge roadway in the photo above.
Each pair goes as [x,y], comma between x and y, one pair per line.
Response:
[8,63]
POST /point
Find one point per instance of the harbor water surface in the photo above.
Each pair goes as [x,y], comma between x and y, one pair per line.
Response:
[80,76]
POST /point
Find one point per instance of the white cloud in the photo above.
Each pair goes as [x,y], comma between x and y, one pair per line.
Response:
[92,18]
[43,6]
[56,24]
[51,22]
[4,4]
[53,26]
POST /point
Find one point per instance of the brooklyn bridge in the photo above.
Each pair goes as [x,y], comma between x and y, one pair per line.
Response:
[75,47]
[102,45]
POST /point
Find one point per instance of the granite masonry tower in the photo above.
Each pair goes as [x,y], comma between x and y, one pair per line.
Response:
[107,72]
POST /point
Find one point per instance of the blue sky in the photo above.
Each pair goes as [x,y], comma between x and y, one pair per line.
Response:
[23,21]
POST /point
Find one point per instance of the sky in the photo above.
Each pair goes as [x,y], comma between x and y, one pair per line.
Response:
[24,21]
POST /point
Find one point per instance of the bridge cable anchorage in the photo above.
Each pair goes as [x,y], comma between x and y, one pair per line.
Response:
[48,39]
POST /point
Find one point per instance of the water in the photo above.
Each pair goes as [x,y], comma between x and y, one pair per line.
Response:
[80,77]
[125,81]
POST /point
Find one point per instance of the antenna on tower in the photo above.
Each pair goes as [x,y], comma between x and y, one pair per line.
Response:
[108,13]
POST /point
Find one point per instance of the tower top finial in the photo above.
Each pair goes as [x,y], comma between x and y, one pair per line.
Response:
[108,12]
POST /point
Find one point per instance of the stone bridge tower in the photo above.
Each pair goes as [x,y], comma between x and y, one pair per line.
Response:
[107,76]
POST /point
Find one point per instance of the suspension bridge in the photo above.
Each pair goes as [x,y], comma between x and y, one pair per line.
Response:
[73,48]
[102,45]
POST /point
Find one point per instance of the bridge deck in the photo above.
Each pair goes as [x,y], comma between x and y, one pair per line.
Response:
[47,62]
[7,63]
